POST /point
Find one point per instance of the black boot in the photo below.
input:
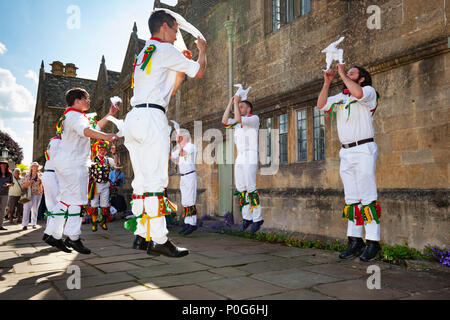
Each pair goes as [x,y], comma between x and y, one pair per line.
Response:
[189,230]
[140,243]
[183,230]
[77,246]
[167,249]
[371,251]
[45,236]
[256,226]
[59,244]
[245,224]
[355,246]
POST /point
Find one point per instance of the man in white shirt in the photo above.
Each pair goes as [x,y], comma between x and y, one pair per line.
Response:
[246,127]
[71,165]
[353,110]
[51,186]
[146,131]
[185,155]
[99,185]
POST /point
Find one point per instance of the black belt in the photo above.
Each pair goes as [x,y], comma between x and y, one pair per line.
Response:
[357,143]
[49,170]
[150,105]
[185,174]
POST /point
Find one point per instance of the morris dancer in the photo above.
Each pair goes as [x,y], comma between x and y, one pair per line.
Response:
[99,185]
[146,131]
[71,164]
[185,156]
[353,109]
[246,127]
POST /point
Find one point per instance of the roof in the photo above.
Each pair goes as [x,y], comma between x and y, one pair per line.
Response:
[55,87]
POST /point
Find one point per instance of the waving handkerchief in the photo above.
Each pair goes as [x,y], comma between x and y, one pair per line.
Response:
[176,126]
[115,100]
[184,25]
[241,92]
[172,3]
[118,123]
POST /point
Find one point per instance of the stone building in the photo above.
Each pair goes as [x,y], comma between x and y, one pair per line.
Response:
[276,50]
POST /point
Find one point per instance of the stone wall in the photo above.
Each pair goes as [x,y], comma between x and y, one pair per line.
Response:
[408,58]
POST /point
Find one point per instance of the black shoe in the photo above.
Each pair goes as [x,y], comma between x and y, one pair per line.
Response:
[184,229]
[34,227]
[3,228]
[45,236]
[140,243]
[166,249]
[189,230]
[245,224]
[59,244]
[371,251]
[256,226]
[355,246]
[24,228]
[77,246]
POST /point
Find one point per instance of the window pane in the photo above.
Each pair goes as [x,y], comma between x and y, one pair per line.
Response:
[306,7]
[319,134]
[302,136]
[276,15]
[269,140]
[288,11]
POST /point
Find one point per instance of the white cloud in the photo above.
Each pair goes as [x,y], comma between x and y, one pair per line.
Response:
[33,76]
[3,49]
[15,99]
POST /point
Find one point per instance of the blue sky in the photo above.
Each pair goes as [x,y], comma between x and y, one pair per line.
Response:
[32,31]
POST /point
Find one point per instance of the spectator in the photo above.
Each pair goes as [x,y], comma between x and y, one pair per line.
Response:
[33,180]
[15,191]
[117,177]
[5,182]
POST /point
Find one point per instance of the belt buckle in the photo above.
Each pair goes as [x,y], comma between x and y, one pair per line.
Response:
[346,146]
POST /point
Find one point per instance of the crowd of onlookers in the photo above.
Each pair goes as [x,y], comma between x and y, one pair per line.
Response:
[21,194]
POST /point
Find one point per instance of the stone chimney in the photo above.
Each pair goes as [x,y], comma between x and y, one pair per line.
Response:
[57,68]
[71,70]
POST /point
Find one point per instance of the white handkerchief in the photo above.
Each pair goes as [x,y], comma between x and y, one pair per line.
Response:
[118,123]
[184,25]
[115,100]
[176,126]
[241,92]
[172,3]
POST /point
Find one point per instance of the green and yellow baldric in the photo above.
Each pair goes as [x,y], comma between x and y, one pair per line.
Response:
[254,201]
[242,199]
[363,216]
[189,212]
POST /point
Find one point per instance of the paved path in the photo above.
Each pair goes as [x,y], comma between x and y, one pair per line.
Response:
[219,267]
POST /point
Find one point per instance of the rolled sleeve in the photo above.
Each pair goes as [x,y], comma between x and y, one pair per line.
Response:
[330,101]
[369,97]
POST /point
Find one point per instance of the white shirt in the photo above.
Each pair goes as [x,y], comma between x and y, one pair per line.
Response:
[246,133]
[186,162]
[157,87]
[358,124]
[74,148]
[52,150]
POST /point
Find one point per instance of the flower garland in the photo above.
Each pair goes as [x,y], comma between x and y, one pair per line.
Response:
[189,212]
[242,199]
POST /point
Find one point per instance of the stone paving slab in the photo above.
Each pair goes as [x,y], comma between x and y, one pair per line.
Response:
[179,280]
[116,267]
[294,278]
[25,267]
[357,289]
[242,288]
[147,262]
[32,292]
[443,294]
[236,260]
[169,269]
[100,280]
[105,291]
[230,272]
[337,271]
[130,257]
[301,294]
[190,292]
[276,264]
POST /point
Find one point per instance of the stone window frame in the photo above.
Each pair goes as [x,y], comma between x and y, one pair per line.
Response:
[269,147]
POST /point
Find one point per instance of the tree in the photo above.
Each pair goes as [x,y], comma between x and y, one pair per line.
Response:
[14,150]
